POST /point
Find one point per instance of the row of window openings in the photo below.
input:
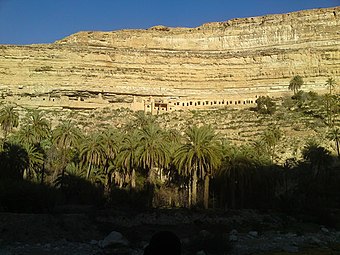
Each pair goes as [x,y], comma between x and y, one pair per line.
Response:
[215,102]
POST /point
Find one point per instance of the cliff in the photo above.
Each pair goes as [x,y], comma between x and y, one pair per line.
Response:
[249,55]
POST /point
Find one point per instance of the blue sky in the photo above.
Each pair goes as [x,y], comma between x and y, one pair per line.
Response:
[45,21]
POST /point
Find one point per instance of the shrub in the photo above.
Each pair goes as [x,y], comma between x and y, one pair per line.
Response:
[265,105]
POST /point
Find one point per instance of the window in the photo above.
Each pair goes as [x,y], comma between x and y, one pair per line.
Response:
[190,103]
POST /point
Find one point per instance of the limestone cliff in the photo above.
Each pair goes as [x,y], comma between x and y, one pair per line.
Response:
[249,55]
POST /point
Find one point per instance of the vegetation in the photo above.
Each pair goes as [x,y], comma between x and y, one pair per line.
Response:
[295,83]
[265,105]
[147,162]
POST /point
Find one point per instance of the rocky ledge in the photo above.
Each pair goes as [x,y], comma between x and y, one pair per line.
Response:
[259,54]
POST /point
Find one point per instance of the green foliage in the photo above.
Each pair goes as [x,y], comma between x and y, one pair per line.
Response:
[13,161]
[317,156]
[143,163]
[75,189]
[334,135]
[265,105]
[9,119]
[331,83]
[295,83]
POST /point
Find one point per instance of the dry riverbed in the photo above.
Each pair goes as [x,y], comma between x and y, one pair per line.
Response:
[237,232]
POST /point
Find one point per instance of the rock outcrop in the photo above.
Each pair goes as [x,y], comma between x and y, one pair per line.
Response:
[249,55]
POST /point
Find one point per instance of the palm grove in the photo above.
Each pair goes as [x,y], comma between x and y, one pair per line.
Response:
[143,164]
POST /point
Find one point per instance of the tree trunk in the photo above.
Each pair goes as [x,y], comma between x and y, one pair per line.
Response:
[194,187]
[88,171]
[337,147]
[206,191]
[133,179]
[42,174]
[189,194]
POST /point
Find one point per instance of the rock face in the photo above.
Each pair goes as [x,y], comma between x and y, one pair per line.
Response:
[250,55]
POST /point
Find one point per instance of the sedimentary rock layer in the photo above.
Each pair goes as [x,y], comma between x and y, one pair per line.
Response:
[248,55]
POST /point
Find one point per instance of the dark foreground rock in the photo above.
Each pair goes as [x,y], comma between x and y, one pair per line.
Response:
[237,233]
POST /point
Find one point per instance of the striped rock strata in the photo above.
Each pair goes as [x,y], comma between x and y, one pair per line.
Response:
[250,55]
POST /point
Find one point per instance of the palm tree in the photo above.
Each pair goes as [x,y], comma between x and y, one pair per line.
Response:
[270,138]
[9,119]
[152,150]
[331,83]
[197,158]
[238,166]
[38,125]
[65,137]
[329,100]
[295,83]
[127,157]
[334,135]
[92,152]
[13,161]
[35,162]
[318,157]
[111,142]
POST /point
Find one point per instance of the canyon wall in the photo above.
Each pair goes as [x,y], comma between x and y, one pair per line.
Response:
[240,56]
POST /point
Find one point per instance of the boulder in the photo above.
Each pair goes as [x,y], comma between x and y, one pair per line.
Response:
[114,239]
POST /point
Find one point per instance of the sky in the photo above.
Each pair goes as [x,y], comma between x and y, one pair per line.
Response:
[45,21]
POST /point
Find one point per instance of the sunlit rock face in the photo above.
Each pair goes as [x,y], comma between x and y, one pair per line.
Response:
[249,55]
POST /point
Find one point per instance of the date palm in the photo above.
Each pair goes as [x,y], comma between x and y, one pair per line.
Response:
[295,83]
[92,152]
[237,169]
[127,157]
[329,100]
[35,162]
[65,137]
[331,83]
[317,156]
[334,135]
[38,125]
[111,142]
[152,150]
[13,161]
[9,119]
[271,138]
[198,158]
